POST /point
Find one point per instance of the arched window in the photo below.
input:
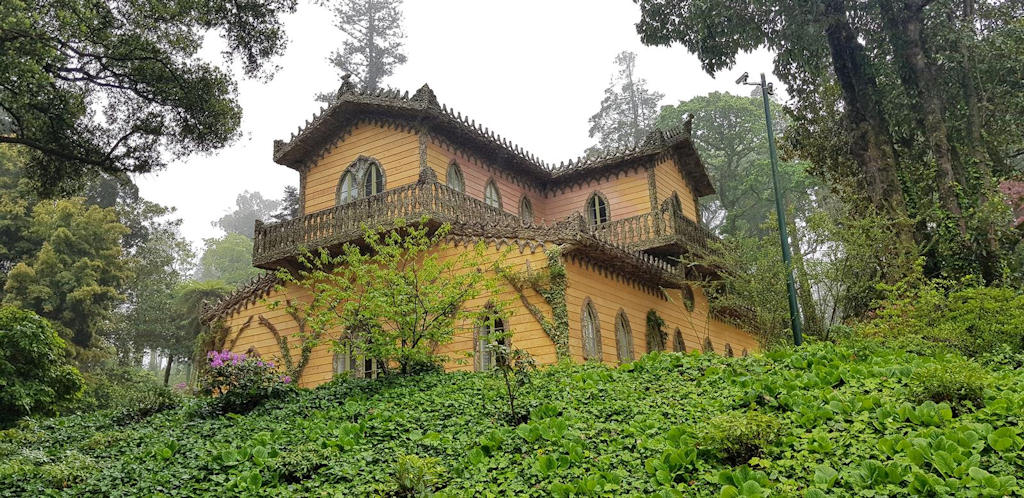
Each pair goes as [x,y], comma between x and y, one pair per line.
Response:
[454,178]
[597,209]
[677,205]
[623,337]
[352,361]
[526,210]
[348,187]
[708,347]
[491,195]
[728,350]
[373,180]
[688,299]
[488,332]
[591,332]
[678,345]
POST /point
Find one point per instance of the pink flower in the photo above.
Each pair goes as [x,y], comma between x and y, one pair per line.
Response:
[286,379]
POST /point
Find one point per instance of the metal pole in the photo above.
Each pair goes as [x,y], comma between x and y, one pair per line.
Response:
[794,310]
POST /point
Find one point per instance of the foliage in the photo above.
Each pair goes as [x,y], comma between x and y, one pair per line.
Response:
[227,259]
[515,367]
[905,108]
[628,109]
[416,476]
[290,207]
[963,316]
[738,437]
[398,298]
[35,376]
[657,336]
[118,389]
[240,382]
[958,383]
[373,41]
[75,277]
[119,87]
[189,298]
[249,207]
[846,429]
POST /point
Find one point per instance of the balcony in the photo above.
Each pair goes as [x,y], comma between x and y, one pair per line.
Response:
[659,234]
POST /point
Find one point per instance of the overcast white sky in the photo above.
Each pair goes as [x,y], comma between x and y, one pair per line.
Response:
[532,70]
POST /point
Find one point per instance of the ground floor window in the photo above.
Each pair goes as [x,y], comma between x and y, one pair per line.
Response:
[358,364]
[487,334]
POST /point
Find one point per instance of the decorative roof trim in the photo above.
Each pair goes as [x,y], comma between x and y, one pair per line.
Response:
[423,109]
[247,293]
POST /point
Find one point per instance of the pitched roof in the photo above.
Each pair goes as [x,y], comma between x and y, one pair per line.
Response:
[423,109]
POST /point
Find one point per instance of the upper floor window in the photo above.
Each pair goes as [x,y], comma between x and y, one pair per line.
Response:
[591,332]
[526,210]
[373,180]
[491,195]
[488,333]
[454,178]
[348,188]
[363,177]
[623,337]
[677,205]
[597,209]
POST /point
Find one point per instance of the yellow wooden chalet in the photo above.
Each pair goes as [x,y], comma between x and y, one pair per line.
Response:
[618,225]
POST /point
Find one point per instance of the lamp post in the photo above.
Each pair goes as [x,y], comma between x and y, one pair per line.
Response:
[794,310]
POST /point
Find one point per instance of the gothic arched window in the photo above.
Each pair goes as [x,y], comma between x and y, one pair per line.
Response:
[454,178]
[348,187]
[373,180]
[491,195]
[591,332]
[526,210]
[597,209]
[623,337]
[678,345]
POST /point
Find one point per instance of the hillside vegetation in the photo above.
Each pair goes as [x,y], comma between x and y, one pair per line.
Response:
[827,420]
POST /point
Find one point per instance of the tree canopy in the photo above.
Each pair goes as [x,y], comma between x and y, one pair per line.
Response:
[228,259]
[249,207]
[907,108]
[116,87]
[372,48]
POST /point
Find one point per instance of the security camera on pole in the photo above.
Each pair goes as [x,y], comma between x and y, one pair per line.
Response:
[794,310]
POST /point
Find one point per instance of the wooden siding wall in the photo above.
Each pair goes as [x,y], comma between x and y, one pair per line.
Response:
[527,333]
[628,195]
[609,294]
[397,151]
[668,180]
[477,173]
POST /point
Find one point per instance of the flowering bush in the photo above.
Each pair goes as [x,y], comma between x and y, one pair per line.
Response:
[239,382]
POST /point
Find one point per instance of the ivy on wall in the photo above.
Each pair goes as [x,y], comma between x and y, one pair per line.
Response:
[307,341]
[550,284]
[656,335]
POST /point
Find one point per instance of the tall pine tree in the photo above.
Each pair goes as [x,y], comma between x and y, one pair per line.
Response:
[628,109]
[373,45]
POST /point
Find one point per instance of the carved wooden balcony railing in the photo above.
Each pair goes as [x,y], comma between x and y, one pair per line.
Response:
[276,242]
[662,232]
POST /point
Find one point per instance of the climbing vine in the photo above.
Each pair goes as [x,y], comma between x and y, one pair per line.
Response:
[656,335]
[307,341]
[551,285]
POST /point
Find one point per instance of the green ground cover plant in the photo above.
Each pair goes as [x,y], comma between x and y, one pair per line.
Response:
[825,420]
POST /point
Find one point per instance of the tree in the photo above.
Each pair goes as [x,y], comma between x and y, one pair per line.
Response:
[373,47]
[179,342]
[75,277]
[119,87]
[628,109]
[34,370]
[228,259]
[893,129]
[290,207]
[249,207]
[16,200]
[396,300]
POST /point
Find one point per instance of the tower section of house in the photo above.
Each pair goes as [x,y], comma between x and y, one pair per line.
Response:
[622,228]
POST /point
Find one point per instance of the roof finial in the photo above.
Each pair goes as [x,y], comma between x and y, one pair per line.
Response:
[346,85]
[426,95]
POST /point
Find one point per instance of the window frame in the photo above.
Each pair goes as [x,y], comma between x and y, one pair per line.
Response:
[372,167]
[491,184]
[455,171]
[483,359]
[589,313]
[623,337]
[678,342]
[352,192]
[593,212]
[526,206]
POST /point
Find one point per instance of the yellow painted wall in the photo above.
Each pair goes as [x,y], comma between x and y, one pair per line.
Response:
[668,179]
[628,195]
[397,151]
[609,294]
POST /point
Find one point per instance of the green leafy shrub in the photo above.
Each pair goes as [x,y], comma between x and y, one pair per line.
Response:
[240,383]
[970,319]
[415,475]
[736,437]
[113,387]
[35,376]
[958,383]
[145,403]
